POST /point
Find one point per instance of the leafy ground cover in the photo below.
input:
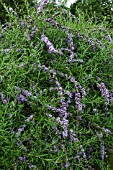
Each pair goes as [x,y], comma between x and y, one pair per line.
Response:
[56,89]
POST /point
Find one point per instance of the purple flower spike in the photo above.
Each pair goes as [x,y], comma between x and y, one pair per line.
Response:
[29,118]
[102,151]
[21,98]
[77,101]
[104,91]
[41,7]
[6,51]
[50,46]
[26,93]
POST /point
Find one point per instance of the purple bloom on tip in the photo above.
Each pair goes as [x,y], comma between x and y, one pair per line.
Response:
[21,159]
[104,91]
[6,51]
[10,9]
[53,22]
[50,46]
[73,80]
[72,136]
[77,101]
[21,98]
[71,56]
[49,116]
[41,7]
[83,92]
[69,94]
[44,68]
[26,92]
[4,101]
[29,118]
[44,38]
[20,129]
[67,164]
[58,120]
[102,151]
[52,50]
[65,133]
[32,166]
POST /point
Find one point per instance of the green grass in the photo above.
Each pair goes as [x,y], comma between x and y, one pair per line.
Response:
[38,144]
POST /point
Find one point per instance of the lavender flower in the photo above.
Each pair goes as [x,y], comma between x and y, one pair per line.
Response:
[84,154]
[29,118]
[57,13]
[32,166]
[49,44]
[67,164]
[72,136]
[20,130]
[102,151]
[21,158]
[64,124]
[104,91]
[70,41]
[21,98]
[4,101]
[11,10]
[53,22]
[26,93]
[41,7]
[74,61]
[71,56]
[77,101]
[3,97]
[6,51]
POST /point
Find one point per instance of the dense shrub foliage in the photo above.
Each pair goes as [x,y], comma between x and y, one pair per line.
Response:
[18,6]
[95,9]
[56,91]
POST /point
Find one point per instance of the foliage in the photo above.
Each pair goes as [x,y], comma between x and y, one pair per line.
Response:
[95,9]
[18,6]
[56,91]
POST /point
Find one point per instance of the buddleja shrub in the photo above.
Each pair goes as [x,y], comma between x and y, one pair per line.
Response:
[56,81]
[95,9]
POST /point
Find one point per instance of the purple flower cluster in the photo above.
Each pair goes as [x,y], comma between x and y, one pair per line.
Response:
[11,10]
[71,45]
[72,136]
[22,23]
[49,44]
[41,7]
[25,159]
[34,31]
[22,98]
[21,129]
[26,93]
[105,93]
[52,21]
[77,101]
[6,50]
[3,98]
[102,151]
[29,118]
